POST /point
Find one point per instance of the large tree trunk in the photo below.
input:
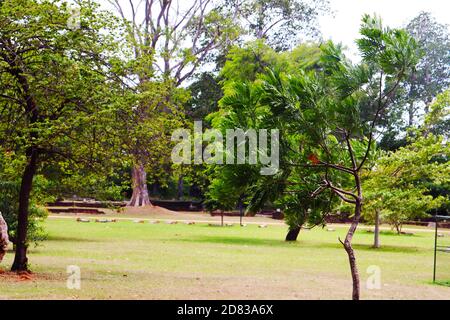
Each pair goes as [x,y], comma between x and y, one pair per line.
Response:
[376,241]
[350,252]
[293,234]
[21,260]
[140,195]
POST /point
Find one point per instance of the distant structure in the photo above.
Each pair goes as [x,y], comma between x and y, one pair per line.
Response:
[4,240]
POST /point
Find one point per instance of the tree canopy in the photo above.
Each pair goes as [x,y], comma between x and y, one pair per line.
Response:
[59,96]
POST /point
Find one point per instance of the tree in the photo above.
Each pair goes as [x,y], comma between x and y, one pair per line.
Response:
[279,22]
[431,78]
[274,26]
[170,41]
[205,94]
[242,63]
[292,190]
[437,121]
[334,112]
[59,97]
[326,108]
[241,108]
[149,124]
[432,74]
[246,61]
[398,185]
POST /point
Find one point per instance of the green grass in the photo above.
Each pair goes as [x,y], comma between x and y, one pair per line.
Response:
[160,261]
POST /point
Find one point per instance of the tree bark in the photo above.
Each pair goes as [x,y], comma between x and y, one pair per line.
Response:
[350,252]
[20,260]
[410,114]
[293,234]
[376,241]
[180,192]
[140,197]
[398,228]
[241,210]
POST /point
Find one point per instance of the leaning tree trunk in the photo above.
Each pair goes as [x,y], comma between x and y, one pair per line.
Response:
[293,234]
[376,241]
[140,195]
[350,252]
[20,260]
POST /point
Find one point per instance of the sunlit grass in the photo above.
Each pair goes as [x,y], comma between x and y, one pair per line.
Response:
[133,260]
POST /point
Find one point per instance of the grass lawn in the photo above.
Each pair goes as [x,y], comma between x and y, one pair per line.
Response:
[127,260]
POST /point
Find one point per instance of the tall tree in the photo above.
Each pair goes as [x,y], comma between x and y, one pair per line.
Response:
[58,97]
[241,108]
[171,39]
[433,70]
[245,63]
[417,92]
[282,23]
[328,111]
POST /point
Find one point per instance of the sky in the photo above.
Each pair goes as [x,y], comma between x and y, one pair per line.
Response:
[344,26]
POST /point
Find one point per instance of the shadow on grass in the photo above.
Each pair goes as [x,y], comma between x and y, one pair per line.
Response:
[359,247]
[68,239]
[442,283]
[243,241]
[400,249]
[390,233]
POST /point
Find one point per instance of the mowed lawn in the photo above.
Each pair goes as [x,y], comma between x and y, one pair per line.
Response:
[127,260]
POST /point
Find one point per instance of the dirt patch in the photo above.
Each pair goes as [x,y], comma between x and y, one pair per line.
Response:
[9,276]
[14,276]
[147,210]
